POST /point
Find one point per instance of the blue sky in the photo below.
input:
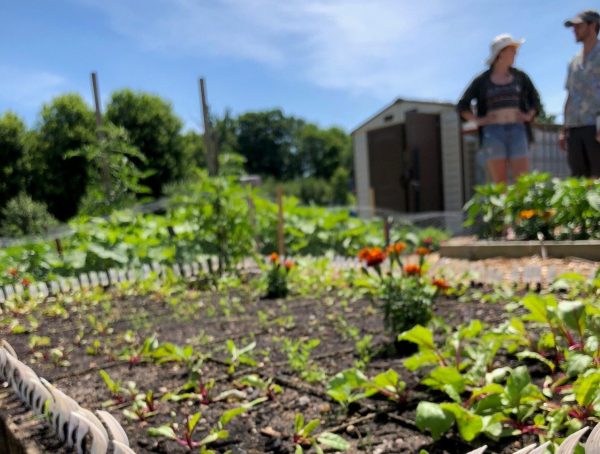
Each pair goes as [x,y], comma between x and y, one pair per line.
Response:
[332,62]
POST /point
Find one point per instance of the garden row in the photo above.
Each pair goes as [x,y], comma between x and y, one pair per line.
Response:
[253,374]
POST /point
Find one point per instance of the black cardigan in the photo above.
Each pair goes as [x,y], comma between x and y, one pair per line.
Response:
[529,99]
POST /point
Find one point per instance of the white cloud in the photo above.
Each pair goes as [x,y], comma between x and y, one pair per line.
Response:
[24,88]
[376,47]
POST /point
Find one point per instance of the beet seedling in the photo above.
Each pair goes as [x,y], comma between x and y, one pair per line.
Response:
[303,437]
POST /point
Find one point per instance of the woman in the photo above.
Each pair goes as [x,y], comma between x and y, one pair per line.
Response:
[507,103]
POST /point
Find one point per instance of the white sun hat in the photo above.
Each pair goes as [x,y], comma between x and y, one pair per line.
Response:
[501,42]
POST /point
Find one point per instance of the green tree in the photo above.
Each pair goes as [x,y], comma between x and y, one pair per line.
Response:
[322,151]
[13,171]
[67,124]
[193,151]
[155,130]
[114,179]
[268,142]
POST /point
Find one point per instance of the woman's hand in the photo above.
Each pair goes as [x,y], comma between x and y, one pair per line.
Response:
[527,117]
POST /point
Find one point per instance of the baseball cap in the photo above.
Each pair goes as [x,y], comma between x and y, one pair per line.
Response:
[589,15]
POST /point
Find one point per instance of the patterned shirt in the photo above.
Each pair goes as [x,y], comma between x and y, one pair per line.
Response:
[583,85]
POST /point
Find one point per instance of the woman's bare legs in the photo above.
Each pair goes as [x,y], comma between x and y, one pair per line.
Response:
[519,166]
[497,169]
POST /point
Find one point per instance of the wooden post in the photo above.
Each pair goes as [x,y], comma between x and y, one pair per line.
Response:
[280,237]
[59,247]
[209,142]
[387,225]
[100,133]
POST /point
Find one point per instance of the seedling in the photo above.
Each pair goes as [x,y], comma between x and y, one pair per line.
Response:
[240,356]
[303,437]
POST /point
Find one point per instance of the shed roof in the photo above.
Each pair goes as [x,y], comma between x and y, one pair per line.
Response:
[399,101]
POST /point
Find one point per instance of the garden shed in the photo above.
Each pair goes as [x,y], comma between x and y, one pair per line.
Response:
[407,159]
[416,156]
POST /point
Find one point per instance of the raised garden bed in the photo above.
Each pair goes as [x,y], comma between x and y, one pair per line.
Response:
[472,249]
[79,335]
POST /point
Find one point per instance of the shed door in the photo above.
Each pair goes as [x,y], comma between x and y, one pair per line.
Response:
[386,148]
[423,144]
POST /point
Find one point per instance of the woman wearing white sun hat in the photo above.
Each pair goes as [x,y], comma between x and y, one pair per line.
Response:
[506,104]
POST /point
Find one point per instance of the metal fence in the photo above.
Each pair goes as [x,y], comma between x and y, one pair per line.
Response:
[545,155]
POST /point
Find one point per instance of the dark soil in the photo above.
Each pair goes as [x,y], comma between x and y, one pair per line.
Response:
[207,320]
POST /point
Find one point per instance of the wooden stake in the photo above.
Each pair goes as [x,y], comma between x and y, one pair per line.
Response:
[209,142]
[100,132]
[280,237]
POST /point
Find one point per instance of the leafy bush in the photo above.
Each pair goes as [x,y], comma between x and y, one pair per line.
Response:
[24,216]
[537,204]
[114,179]
[486,210]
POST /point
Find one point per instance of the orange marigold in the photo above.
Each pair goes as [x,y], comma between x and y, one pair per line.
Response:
[274,257]
[422,250]
[13,272]
[25,282]
[441,284]
[412,270]
[399,247]
[363,254]
[527,214]
[376,256]
[288,263]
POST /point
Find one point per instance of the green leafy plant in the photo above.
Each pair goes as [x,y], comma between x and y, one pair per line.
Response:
[407,297]
[298,355]
[303,437]
[277,277]
[486,210]
[239,356]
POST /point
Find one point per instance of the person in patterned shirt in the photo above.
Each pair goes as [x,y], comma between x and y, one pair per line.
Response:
[580,136]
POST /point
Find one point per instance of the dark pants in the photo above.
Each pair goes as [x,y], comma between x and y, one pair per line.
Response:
[583,152]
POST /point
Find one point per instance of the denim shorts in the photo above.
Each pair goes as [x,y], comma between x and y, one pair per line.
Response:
[504,141]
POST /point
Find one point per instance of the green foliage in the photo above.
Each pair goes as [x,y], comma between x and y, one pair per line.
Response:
[537,204]
[212,217]
[13,157]
[277,277]
[485,210]
[303,437]
[155,131]
[406,302]
[266,140]
[114,179]
[67,124]
[24,216]
[322,151]
[340,184]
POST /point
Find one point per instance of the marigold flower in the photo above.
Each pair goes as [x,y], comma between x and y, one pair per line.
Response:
[412,270]
[288,263]
[363,254]
[441,284]
[422,250]
[274,257]
[13,272]
[25,282]
[527,214]
[376,256]
[399,247]
[428,241]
